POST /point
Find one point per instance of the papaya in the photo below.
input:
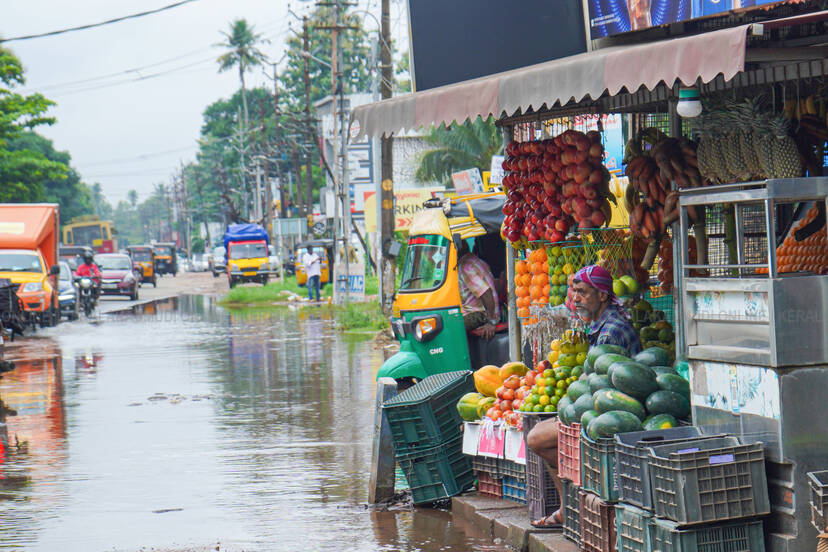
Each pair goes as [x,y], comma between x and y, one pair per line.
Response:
[487,380]
[484,404]
[513,369]
[467,406]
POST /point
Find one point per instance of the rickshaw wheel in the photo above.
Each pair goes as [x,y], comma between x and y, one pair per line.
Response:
[405,383]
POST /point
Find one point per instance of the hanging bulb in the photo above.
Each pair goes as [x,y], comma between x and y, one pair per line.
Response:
[689,105]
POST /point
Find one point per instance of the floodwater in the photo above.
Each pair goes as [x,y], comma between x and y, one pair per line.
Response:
[188,427]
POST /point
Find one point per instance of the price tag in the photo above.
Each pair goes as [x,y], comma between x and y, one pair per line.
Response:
[685,451]
[721,459]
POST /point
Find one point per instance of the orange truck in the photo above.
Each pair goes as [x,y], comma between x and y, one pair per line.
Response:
[29,238]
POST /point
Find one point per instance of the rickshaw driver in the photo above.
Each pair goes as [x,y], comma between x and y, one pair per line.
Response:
[594,302]
[478,297]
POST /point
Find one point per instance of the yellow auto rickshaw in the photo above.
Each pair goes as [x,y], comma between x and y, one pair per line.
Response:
[323,248]
[143,261]
[427,314]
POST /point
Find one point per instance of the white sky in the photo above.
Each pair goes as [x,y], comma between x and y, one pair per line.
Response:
[133,135]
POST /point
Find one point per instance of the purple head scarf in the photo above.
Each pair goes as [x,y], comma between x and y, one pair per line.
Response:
[599,278]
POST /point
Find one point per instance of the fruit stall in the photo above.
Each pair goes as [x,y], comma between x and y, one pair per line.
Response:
[713,229]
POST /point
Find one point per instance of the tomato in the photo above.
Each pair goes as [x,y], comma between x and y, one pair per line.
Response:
[530,379]
[509,395]
[506,406]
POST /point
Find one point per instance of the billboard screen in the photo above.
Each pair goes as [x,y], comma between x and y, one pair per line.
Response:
[611,17]
[464,39]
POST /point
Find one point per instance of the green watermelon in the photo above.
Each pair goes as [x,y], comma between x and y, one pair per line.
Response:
[605,361]
[607,400]
[668,402]
[597,351]
[673,382]
[580,406]
[660,421]
[569,415]
[587,417]
[576,389]
[654,356]
[598,381]
[609,423]
[562,404]
[633,378]
[663,370]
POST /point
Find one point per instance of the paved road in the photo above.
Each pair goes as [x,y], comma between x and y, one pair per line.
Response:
[195,283]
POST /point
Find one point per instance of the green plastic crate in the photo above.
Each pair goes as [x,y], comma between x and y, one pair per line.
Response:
[598,467]
[425,415]
[744,536]
[437,473]
[631,528]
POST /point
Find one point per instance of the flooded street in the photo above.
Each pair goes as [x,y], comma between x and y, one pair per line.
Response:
[188,427]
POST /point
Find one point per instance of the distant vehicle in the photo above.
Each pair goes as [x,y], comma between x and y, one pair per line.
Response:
[166,258]
[117,276]
[218,263]
[323,248]
[143,259]
[29,256]
[92,232]
[73,254]
[273,260]
[199,263]
[247,254]
[68,293]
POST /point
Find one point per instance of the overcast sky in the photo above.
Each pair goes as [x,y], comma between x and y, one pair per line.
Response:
[127,133]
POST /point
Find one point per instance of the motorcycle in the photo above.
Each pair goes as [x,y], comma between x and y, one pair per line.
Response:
[88,295]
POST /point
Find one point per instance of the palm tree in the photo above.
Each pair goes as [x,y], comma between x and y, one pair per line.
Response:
[241,53]
[132,197]
[457,148]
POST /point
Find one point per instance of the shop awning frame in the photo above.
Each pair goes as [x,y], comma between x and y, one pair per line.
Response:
[615,79]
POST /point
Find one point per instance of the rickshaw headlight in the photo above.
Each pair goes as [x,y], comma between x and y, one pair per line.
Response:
[426,328]
[399,328]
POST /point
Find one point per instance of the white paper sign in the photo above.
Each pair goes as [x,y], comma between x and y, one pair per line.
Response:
[514,447]
[496,170]
[471,434]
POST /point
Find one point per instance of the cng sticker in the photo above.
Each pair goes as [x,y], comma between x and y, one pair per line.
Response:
[454,311]
[436,351]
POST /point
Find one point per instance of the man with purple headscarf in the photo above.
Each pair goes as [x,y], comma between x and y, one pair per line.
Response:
[596,303]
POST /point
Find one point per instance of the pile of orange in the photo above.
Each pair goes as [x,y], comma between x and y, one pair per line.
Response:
[531,283]
[808,255]
[523,281]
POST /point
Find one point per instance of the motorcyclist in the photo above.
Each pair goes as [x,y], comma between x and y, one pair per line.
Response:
[90,270]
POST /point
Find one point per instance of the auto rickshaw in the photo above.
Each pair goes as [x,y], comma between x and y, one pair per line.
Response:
[143,258]
[323,248]
[427,315]
[166,261]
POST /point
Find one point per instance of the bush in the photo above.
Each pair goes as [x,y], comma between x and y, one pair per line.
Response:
[361,316]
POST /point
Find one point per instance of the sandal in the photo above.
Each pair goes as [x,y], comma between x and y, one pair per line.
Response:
[553,521]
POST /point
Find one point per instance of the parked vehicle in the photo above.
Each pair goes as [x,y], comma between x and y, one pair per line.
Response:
[143,256]
[73,255]
[67,292]
[426,314]
[247,254]
[166,258]
[91,231]
[117,276]
[323,248]
[218,263]
[29,235]
[87,295]
[199,263]
[273,260]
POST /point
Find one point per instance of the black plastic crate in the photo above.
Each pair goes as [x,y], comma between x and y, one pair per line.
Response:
[514,489]
[598,467]
[631,528]
[710,480]
[541,495]
[743,536]
[437,473]
[484,464]
[597,524]
[631,469]
[818,483]
[425,415]
[571,511]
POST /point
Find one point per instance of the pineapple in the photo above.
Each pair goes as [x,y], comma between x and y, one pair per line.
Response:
[731,143]
[703,153]
[786,160]
[718,143]
[763,144]
[747,114]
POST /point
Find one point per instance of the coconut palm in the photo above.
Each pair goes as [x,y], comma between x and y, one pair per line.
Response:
[241,53]
[457,148]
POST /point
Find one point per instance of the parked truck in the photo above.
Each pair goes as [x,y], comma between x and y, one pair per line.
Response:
[29,238]
[246,254]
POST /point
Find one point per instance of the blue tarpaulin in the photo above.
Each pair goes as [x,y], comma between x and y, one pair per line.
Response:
[244,232]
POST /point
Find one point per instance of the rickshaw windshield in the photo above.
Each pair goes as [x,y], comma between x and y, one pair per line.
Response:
[425,263]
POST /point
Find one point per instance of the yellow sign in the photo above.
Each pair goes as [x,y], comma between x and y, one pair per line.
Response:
[406,203]
[14,228]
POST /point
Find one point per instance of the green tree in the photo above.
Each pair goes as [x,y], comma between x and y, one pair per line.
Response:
[242,54]
[22,171]
[457,148]
[132,197]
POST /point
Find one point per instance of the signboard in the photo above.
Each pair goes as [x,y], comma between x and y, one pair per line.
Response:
[289,226]
[464,39]
[492,439]
[514,448]
[613,134]
[496,172]
[468,181]
[611,17]
[352,283]
[406,204]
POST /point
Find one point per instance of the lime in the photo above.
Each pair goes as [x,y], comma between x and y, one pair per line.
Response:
[577,371]
[549,390]
[580,358]
[537,408]
[544,400]
[533,398]
[554,400]
[540,382]
[549,408]
[560,392]
[561,384]
[548,373]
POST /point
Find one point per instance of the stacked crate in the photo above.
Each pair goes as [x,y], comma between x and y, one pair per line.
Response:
[541,495]
[598,495]
[569,470]
[489,478]
[426,432]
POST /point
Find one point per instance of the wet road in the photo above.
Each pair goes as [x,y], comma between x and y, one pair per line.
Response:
[188,427]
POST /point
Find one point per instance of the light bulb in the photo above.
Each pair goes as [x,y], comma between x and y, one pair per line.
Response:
[689,105]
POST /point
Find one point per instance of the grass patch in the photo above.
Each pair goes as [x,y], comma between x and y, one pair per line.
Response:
[272,292]
[361,316]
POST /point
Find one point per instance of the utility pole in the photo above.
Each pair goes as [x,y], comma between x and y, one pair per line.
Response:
[386,199]
[277,113]
[376,164]
[306,78]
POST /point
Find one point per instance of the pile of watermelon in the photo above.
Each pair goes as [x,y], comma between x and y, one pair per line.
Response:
[618,394]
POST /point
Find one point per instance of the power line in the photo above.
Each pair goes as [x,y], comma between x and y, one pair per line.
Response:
[102,23]
[140,157]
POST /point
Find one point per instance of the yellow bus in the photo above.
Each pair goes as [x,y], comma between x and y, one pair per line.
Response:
[89,230]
